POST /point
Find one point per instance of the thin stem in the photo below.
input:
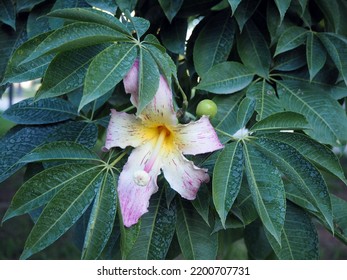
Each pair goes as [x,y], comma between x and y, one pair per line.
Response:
[119,158]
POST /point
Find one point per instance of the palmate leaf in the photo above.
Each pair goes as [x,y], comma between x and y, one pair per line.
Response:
[31,112]
[325,115]
[283,120]
[106,70]
[319,154]
[41,188]
[194,235]
[226,78]
[157,230]
[72,67]
[101,218]
[267,190]
[76,35]
[227,176]
[214,42]
[301,172]
[92,16]
[299,238]
[65,208]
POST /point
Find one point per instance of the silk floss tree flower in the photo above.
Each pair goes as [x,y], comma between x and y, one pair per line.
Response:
[159,142]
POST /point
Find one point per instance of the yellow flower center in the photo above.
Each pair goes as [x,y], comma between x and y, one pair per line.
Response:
[164,138]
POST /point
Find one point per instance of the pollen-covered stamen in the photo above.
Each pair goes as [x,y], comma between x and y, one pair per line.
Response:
[141,178]
[163,133]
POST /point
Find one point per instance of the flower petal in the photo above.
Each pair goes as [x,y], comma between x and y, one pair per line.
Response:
[160,109]
[183,176]
[197,137]
[131,84]
[126,130]
[134,199]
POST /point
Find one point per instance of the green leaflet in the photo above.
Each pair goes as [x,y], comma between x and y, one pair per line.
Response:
[226,78]
[157,230]
[101,218]
[173,35]
[106,5]
[72,67]
[214,42]
[253,50]
[62,150]
[41,188]
[65,208]
[234,4]
[319,154]
[148,79]
[291,38]
[17,143]
[202,203]
[8,13]
[227,176]
[267,102]
[80,132]
[336,46]
[73,36]
[170,8]
[301,173]
[25,5]
[92,16]
[329,121]
[106,70]
[46,111]
[245,111]
[244,11]
[282,6]
[225,121]
[267,190]
[16,71]
[194,235]
[284,120]
[299,238]
[315,55]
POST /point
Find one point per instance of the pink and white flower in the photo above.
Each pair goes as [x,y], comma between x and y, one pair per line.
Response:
[159,142]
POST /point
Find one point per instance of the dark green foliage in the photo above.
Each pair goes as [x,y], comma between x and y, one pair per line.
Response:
[277,71]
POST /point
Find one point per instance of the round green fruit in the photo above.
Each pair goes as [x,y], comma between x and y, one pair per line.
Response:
[206,107]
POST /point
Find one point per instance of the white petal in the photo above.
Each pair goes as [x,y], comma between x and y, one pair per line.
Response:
[125,130]
[197,137]
[134,197]
[183,176]
[160,109]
